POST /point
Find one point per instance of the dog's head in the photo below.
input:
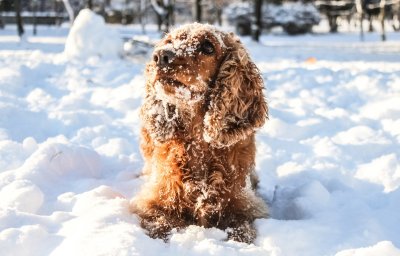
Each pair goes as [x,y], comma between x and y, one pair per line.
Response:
[185,63]
[198,64]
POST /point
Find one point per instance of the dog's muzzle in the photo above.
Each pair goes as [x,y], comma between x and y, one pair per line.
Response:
[163,57]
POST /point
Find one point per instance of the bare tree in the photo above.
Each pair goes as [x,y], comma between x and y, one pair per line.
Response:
[257,25]
[165,12]
[70,11]
[219,5]
[89,4]
[361,14]
[34,5]
[197,10]
[382,19]
[142,14]
[20,27]
[1,15]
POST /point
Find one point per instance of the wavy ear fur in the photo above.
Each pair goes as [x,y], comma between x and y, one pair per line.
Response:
[237,104]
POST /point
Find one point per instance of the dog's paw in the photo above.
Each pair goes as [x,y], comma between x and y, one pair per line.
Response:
[157,228]
[245,233]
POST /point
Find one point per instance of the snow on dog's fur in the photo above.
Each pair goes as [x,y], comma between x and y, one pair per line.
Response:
[203,103]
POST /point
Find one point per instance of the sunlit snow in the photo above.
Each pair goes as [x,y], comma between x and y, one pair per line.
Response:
[328,158]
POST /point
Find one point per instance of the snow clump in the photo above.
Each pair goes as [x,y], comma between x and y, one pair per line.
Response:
[89,36]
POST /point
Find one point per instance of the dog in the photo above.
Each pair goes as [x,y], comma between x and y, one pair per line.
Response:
[203,104]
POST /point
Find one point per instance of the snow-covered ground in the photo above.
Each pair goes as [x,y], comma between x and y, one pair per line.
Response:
[328,158]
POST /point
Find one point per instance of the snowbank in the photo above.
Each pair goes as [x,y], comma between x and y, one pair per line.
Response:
[90,36]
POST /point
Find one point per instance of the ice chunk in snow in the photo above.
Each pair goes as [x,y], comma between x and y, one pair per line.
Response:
[88,200]
[11,154]
[89,36]
[52,167]
[384,170]
[392,126]
[22,195]
[323,147]
[29,144]
[302,202]
[102,212]
[26,240]
[313,197]
[39,99]
[11,80]
[360,135]
[289,168]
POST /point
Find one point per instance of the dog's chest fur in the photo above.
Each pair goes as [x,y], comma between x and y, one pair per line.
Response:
[204,183]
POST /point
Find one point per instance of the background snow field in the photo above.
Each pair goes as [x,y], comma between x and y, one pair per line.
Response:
[328,158]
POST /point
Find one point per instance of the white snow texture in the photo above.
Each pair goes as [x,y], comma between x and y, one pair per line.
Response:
[328,157]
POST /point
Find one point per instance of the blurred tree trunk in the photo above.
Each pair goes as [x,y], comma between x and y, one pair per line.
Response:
[142,15]
[34,9]
[361,14]
[160,12]
[1,15]
[90,4]
[171,12]
[197,10]
[165,12]
[382,19]
[257,25]
[219,5]
[70,11]
[20,27]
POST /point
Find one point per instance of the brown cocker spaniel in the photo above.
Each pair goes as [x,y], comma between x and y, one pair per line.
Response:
[204,101]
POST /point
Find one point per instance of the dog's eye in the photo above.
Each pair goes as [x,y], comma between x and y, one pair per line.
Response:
[207,47]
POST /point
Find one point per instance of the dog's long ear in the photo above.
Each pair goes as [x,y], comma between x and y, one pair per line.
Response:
[237,104]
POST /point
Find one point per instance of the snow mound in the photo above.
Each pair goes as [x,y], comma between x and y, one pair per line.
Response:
[26,240]
[50,168]
[22,195]
[89,36]
[382,248]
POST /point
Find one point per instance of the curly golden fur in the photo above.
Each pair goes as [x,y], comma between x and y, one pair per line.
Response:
[204,100]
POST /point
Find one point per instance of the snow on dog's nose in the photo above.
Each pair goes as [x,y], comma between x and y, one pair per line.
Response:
[163,57]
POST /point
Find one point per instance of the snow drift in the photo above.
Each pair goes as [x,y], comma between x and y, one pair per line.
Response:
[89,36]
[328,158]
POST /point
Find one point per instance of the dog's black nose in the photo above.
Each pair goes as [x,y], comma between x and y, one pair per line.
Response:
[163,57]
